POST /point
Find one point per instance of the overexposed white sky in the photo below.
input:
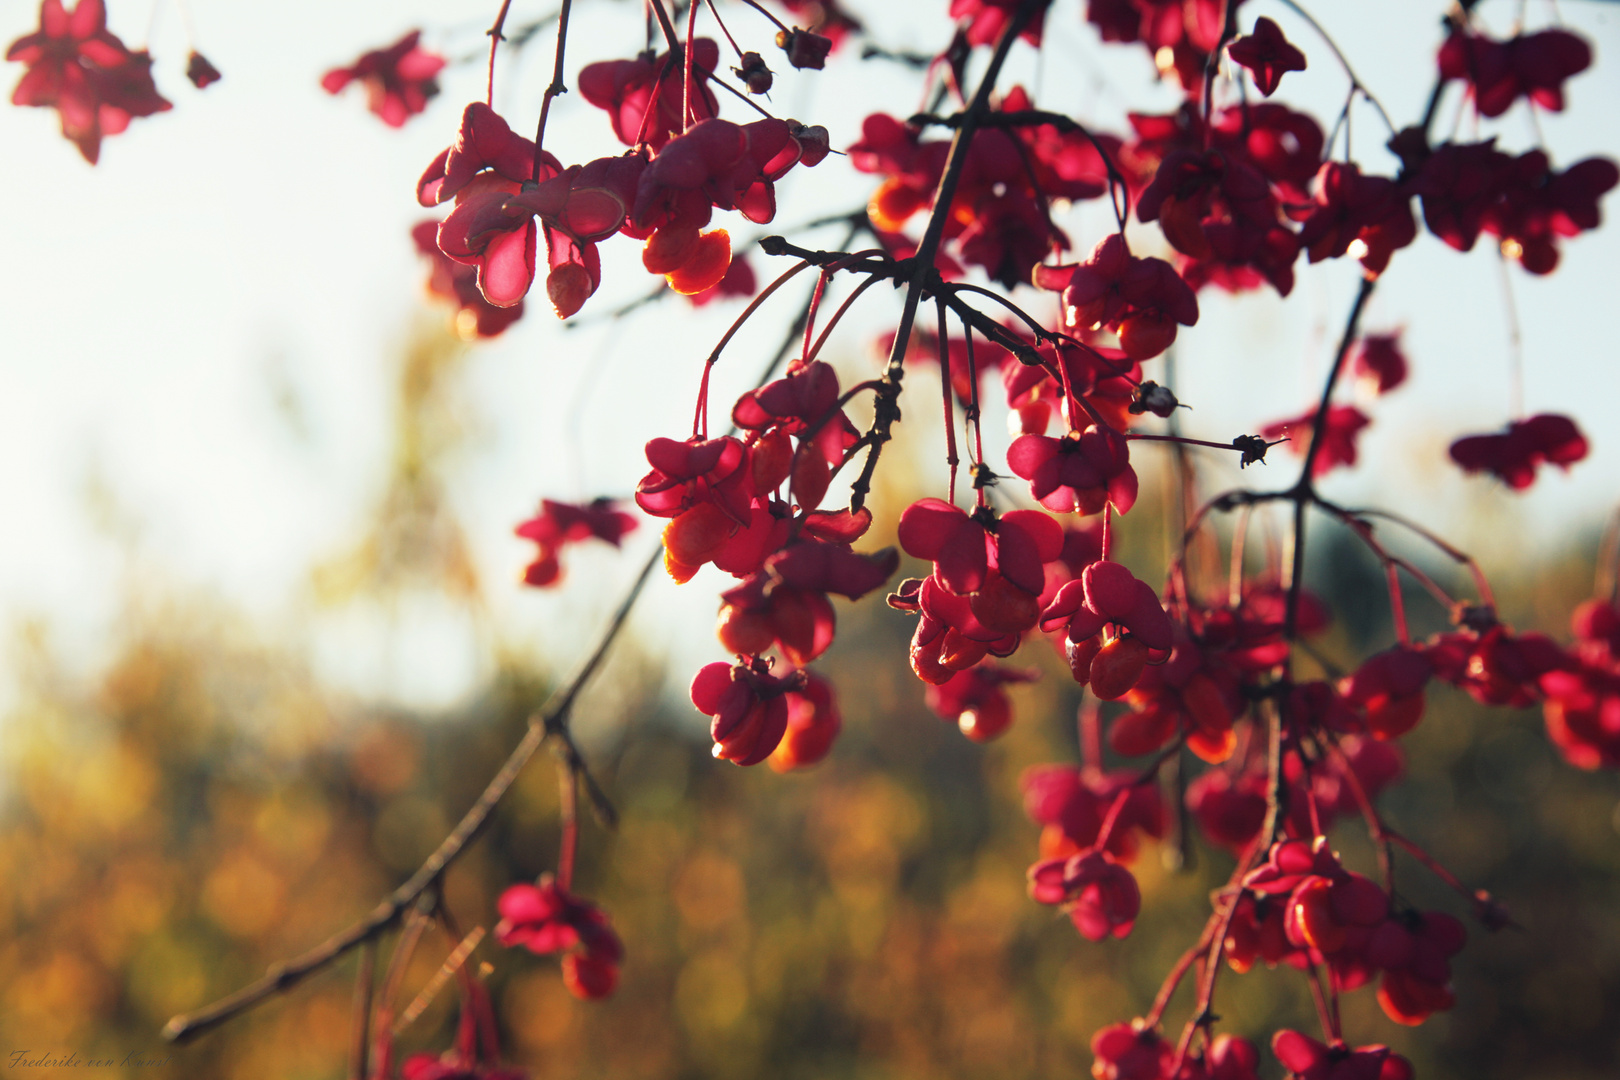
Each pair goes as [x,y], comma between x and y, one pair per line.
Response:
[252,245]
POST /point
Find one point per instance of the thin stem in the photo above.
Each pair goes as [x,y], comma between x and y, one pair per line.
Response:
[551,722]
[1172,981]
[821,339]
[688,118]
[360,1025]
[780,25]
[700,418]
[1369,814]
[1212,66]
[1118,190]
[1319,422]
[453,964]
[1606,575]
[568,800]
[887,410]
[948,399]
[1234,577]
[716,13]
[1510,312]
[1324,1015]
[671,38]
[495,40]
[1303,491]
[1091,752]
[973,417]
[383,1025]
[1182,440]
[1434,867]
[1356,85]
[557,86]
[1481,584]
[815,306]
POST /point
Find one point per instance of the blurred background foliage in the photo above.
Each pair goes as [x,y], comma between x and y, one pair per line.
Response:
[204,805]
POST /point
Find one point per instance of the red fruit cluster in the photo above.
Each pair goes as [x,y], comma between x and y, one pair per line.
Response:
[1136,1051]
[1379,361]
[1467,188]
[501,189]
[975,701]
[399,80]
[813,723]
[1498,73]
[785,602]
[1080,473]
[546,919]
[559,524]
[1387,689]
[1230,806]
[75,66]
[1000,216]
[626,91]
[1333,916]
[1371,213]
[1267,54]
[1140,299]
[749,706]
[1326,903]
[1113,626]
[1100,895]
[799,431]
[1514,455]
[458,283]
[1074,384]
[664,192]
[984,591]
[1191,693]
[1307,1059]
[715,164]
[1072,804]
[1583,698]
[1495,666]
[1229,229]
[1178,34]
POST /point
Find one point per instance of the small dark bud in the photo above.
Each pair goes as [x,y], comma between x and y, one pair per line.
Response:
[1476,617]
[804,49]
[1253,448]
[200,71]
[814,142]
[754,73]
[1411,145]
[1153,398]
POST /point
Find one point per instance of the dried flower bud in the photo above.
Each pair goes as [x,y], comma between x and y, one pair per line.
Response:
[754,73]
[804,49]
[1153,398]
[200,71]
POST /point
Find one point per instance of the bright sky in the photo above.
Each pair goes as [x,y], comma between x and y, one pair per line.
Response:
[252,246]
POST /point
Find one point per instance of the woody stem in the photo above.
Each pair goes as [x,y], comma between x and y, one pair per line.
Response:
[557,86]
[495,39]
[923,260]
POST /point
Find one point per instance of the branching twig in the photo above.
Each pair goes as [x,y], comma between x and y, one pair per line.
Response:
[552,721]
